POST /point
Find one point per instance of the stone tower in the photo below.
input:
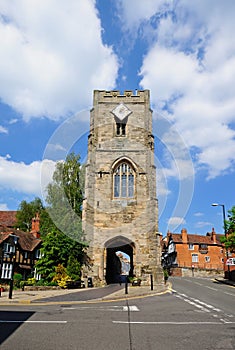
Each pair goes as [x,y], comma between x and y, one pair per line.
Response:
[120,209]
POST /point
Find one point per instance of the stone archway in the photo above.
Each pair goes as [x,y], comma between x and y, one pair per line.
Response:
[113,263]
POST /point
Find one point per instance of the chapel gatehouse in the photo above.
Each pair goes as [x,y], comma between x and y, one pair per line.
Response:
[120,209]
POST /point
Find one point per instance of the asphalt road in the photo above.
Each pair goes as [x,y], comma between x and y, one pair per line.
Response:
[86,294]
[199,314]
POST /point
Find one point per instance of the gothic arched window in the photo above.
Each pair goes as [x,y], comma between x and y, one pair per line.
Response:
[123,179]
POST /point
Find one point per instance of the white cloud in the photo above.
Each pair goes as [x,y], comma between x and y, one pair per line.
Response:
[13,121]
[176,221]
[59,57]
[190,70]
[3,206]
[198,214]
[202,224]
[25,178]
[3,130]
[133,12]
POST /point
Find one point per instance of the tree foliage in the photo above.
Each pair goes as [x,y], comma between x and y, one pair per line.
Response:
[56,250]
[65,196]
[74,268]
[229,240]
[60,221]
[26,211]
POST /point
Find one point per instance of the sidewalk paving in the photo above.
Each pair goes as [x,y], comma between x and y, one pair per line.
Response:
[29,297]
[225,281]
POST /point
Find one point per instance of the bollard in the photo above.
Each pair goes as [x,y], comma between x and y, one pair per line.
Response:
[126,285]
[151,281]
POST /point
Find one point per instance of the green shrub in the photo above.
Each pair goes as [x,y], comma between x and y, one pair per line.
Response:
[61,276]
[17,278]
[31,281]
[22,284]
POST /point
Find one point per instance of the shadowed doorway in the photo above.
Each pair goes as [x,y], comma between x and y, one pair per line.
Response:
[114,267]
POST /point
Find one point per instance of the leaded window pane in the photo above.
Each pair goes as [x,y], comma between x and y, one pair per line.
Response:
[124,181]
[116,185]
[131,185]
[124,192]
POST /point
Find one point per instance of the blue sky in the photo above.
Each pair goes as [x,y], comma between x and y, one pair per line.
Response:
[55,53]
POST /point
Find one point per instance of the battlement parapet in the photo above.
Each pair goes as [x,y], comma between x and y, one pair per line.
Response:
[115,96]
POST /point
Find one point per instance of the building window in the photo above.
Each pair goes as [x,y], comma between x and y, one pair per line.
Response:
[194,258]
[191,246]
[8,248]
[123,181]
[120,129]
[207,259]
[6,271]
[203,246]
[38,254]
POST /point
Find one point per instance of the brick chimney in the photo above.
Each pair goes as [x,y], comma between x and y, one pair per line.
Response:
[213,235]
[36,226]
[184,235]
[168,236]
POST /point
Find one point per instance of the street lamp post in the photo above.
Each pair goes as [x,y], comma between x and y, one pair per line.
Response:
[225,229]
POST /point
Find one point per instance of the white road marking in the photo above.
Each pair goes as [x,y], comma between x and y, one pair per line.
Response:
[27,321]
[195,302]
[170,322]
[130,308]
[229,294]
[208,305]
[192,303]
[104,308]
[226,321]
[199,284]
[212,288]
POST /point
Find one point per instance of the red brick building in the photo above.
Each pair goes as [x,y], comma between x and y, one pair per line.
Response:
[183,250]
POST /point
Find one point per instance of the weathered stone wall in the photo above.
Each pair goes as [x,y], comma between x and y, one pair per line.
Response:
[106,217]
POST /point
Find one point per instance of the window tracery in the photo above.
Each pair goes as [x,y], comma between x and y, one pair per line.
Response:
[124,181]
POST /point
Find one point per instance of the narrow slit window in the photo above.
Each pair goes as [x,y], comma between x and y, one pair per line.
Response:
[120,129]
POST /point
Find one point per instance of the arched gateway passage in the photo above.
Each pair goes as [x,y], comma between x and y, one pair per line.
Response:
[113,263]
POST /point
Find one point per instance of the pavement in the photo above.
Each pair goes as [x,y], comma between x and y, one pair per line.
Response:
[47,296]
[225,281]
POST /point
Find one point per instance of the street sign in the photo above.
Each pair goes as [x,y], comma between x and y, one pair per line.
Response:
[230,261]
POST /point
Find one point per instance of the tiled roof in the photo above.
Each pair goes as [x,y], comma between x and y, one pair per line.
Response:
[196,239]
[26,240]
[8,217]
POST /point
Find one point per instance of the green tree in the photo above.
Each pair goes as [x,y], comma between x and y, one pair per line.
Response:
[229,240]
[74,268]
[65,196]
[56,250]
[60,221]
[64,244]
[26,211]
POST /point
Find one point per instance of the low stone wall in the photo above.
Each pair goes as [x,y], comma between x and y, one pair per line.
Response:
[38,288]
[189,272]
